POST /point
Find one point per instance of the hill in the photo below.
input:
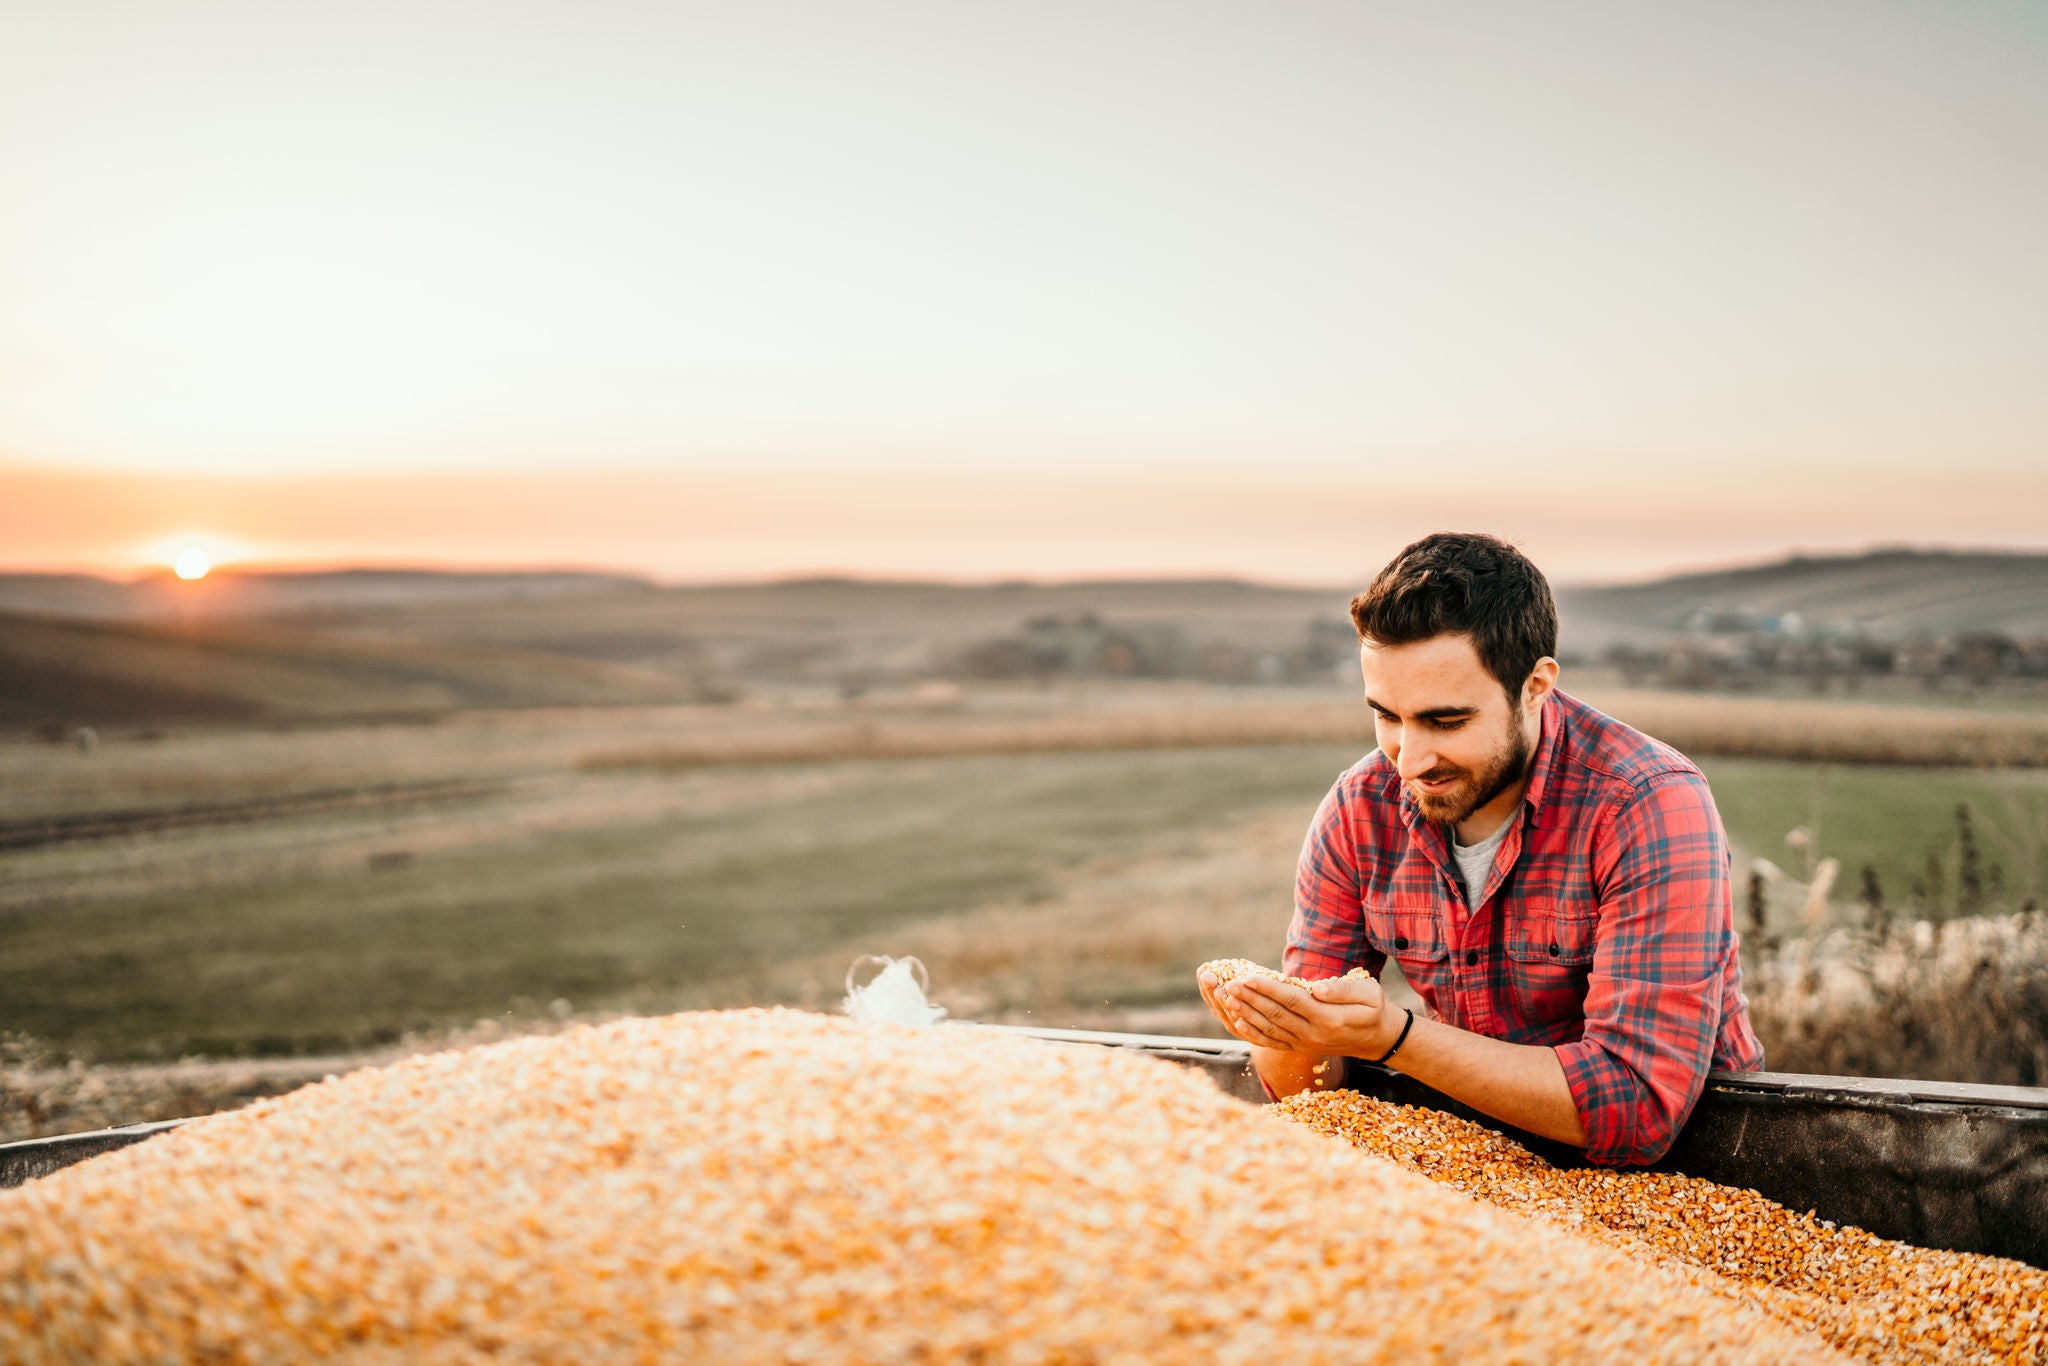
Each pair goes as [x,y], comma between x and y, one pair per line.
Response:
[369,641]
[63,671]
[844,629]
[1891,594]
[271,593]
[805,627]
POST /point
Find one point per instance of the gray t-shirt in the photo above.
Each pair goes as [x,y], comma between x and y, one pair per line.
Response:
[1476,861]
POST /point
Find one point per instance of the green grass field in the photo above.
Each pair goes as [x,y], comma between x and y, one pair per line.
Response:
[1895,820]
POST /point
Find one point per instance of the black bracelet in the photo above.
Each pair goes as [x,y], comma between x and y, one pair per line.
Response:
[1398,1042]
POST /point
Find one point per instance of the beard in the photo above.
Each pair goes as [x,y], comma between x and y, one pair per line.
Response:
[1501,771]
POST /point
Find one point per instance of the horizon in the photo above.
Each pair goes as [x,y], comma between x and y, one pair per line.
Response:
[259,569]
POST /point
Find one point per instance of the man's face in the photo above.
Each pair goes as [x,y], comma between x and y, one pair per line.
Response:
[1445,723]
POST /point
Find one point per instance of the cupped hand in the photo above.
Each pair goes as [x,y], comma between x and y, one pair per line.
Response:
[1342,1015]
[1214,995]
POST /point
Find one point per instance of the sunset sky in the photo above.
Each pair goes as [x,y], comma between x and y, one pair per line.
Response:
[1039,290]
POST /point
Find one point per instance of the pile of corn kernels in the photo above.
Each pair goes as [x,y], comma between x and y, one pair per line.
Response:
[1875,1299]
[779,1186]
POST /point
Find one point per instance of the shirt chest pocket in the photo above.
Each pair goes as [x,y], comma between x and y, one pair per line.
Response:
[1550,958]
[1412,934]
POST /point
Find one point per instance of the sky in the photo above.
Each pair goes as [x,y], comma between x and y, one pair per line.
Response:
[985,291]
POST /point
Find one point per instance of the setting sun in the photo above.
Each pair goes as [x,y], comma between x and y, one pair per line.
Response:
[192,563]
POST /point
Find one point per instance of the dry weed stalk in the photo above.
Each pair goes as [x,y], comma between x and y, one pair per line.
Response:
[1962,1000]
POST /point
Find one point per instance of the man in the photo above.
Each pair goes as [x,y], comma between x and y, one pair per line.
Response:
[1553,884]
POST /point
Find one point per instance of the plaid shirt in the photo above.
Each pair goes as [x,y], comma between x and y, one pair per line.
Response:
[1604,930]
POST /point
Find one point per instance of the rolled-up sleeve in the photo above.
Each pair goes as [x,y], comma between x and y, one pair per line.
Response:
[1327,937]
[1653,1000]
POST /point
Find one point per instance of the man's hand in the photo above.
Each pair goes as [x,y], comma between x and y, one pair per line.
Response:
[1212,996]
[1343,1016]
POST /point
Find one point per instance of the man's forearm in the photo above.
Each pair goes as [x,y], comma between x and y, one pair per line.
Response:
[1522,1084]
[1294,1029]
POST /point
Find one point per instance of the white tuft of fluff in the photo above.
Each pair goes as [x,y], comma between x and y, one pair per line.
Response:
[895,995]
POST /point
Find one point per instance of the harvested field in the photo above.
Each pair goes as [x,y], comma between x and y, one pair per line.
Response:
[1875,1299]
[756,1186]
[1831,731]
[1695,723]
[928,736]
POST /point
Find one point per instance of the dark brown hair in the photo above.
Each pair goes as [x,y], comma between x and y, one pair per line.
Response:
[1465,583]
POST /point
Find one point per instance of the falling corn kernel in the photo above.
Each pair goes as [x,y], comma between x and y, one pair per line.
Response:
[1874,1299]
[779,1186]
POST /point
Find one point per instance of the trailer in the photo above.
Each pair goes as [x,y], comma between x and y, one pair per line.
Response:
[1935,1164]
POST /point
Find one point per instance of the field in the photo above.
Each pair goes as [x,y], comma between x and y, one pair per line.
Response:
[1897,821]
[1055,855]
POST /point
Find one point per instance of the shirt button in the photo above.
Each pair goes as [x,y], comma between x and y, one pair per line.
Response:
[1400,941]
[1553,950]
[1471,957]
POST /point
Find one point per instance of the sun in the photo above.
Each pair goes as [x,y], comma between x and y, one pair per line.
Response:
[192,563]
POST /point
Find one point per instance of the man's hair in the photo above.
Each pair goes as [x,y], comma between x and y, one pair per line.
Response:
[1464,583]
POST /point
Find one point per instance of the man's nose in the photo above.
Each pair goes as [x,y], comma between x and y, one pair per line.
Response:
[1412,761]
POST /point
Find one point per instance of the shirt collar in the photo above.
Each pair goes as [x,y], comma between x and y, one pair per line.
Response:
[1549,747]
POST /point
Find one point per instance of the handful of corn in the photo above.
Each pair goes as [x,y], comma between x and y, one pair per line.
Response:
[1230,969]
[778,1186]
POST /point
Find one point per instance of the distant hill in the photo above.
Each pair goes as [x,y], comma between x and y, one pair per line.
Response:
[68,672]
[844,631]
[361,642]
[1889,594]
[274,593]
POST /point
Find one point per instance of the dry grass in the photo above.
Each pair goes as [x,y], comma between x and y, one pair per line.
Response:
[1775,728]
[1832,731]
[187,769]
[932,736]
[1965,1000]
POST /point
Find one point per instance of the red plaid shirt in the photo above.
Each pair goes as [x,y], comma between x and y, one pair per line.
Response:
[1604,930]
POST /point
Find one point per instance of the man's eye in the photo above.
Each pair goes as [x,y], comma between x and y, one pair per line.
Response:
[1449,725]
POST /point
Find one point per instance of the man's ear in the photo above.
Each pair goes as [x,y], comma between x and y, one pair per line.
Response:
[1540,684]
